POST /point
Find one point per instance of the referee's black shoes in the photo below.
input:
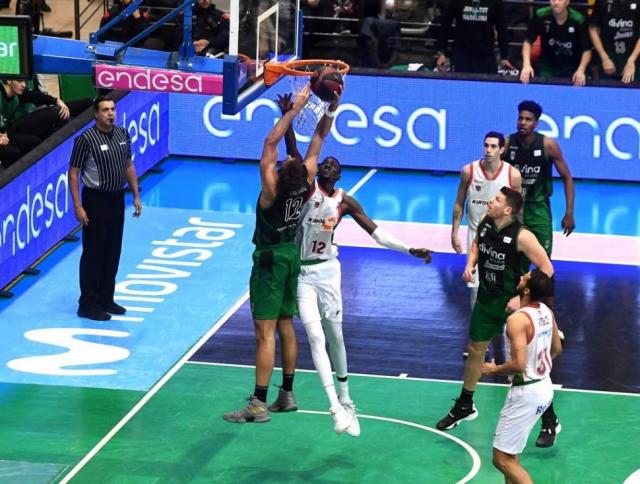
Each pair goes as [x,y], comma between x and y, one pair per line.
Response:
[95,314]
[113,308]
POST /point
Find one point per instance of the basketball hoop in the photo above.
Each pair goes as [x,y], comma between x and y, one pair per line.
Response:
[299,72]
[300,68]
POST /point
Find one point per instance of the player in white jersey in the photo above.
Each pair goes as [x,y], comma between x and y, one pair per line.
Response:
[479,182]
[533,341]
[319,293]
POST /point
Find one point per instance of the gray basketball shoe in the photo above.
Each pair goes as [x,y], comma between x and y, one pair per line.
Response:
[286,402]
[256,412]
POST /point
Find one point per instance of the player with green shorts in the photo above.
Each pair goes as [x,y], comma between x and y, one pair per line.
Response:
[276,261]
[535,155]
[501,250]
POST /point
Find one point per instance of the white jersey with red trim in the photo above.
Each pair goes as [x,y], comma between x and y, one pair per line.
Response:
[320,216]
[538,356]
[482,188]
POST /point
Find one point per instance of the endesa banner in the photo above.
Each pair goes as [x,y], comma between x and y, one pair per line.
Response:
[430,124]
[37,210]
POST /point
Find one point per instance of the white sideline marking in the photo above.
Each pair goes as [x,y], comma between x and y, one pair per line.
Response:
[159,384]
[362,181]
[411,378]
[593,248]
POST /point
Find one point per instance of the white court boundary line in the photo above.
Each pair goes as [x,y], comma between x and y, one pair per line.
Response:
[475,457]
[435,380]
[154,389]
[362,181]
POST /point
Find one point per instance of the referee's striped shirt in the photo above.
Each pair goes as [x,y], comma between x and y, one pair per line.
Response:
[102,158]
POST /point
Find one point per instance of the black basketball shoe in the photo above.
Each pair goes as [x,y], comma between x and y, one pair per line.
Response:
[457,414]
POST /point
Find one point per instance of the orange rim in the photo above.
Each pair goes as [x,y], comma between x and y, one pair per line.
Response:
[273,71]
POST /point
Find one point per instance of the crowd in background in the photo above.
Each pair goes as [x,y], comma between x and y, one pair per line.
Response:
[596,39]
[579,40]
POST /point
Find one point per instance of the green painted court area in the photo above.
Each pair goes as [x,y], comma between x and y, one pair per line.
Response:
[179,435]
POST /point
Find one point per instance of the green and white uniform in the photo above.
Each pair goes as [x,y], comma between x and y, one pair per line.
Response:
[536,169]
[500,267]
[276,258]
[619,24]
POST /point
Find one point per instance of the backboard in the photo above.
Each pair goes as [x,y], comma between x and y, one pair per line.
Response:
[261,31]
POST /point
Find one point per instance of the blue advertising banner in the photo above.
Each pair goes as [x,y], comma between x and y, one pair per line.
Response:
[37,210]
[430,124]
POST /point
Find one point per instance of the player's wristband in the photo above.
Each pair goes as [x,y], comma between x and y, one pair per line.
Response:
[330,114]
[389,241]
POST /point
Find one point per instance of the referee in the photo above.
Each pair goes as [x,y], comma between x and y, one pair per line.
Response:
[101,157]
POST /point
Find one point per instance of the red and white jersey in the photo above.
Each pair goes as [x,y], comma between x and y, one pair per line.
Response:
[538,346]
[483,188]
[320,216]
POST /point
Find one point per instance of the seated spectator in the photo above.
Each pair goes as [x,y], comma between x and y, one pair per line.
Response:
[614,28]
[477,22]
[210,29]
[127,28]
[378,49]
[27,117]
[35,87]
[565,48]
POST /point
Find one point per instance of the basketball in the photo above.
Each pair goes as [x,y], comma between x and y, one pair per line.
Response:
[325,81]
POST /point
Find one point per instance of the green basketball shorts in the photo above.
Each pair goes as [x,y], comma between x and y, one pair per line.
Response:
[488,316]
[274,281]
[537,218]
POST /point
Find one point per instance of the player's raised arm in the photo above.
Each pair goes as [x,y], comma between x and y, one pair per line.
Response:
[286,104]
[322,131]
[269,159]
[458,208]
[350,206]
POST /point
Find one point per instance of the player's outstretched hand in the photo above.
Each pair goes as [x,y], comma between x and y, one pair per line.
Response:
[568,224]
[302,98]
[424,254]
[285,103]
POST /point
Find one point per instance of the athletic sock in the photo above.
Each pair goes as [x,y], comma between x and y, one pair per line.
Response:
[261,393]
[466,397]
[549,416]
[344,389]
[287,382]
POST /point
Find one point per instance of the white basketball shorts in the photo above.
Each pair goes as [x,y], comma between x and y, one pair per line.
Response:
[522,408]
[319,294]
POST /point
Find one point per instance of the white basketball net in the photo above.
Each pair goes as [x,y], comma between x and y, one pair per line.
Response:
[305,122]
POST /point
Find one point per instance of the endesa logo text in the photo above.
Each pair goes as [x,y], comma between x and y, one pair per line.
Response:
[157,80]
